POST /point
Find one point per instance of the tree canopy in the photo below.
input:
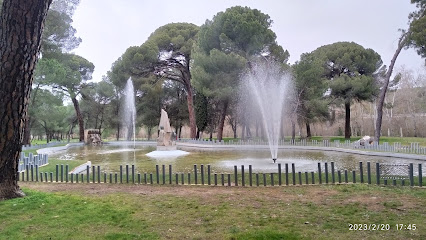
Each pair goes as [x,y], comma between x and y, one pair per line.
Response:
[418,28]
[167,55]
[225,47]
[349,67]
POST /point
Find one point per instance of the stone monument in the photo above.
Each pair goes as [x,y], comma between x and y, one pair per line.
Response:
[92,137]
[165,139]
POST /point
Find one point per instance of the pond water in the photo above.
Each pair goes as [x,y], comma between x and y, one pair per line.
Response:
[110,157]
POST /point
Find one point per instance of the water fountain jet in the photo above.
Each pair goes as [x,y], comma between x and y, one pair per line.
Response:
[268,85]
[129,113]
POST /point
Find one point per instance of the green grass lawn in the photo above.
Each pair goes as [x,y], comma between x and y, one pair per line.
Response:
[105,211]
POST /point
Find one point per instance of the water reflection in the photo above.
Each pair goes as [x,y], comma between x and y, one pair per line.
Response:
[110,157]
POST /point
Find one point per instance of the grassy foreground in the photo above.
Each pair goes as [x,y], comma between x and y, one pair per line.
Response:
[107,211]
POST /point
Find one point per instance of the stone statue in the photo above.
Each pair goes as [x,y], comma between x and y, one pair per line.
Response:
[164,140]
[92,137]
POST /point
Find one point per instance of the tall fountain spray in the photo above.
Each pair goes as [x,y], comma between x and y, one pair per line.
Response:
[129,113]
[268,85]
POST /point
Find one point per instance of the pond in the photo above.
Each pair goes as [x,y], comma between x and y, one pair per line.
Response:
[110,157]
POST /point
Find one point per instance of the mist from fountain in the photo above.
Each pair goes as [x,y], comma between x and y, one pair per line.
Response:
[129,113]
[268,85]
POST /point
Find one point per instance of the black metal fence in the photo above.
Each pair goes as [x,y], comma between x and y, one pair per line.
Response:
[378,173]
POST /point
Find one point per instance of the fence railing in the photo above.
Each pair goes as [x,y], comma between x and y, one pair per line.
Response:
[286,174]
[413,148]
[32,161]
[46,145]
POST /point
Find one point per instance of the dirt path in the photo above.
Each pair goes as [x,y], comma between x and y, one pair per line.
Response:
[311,193]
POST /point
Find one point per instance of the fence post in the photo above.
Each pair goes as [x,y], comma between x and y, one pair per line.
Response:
[236,175]
[346,176]
[333,180]
[353,176]
[208,174]
[121,173]
[243,182]
[163,169]
[66,172]
[93,174]
[36,170]
[215,179]
[195,174]
[361,172]
[157,174]
[99,174]
[223,179]
[279,174]
[420,175]
[300,178]
[127,173]
[306,178]
[250,176]
[133,173]
[257,179]
[202,174]
[339,176]
[286,174]
[264,179]
[319,173]
[368,173]
[411,175]
[377,173]
[88,173]
[57,173]
[170,174]
[326,172]
[293,172]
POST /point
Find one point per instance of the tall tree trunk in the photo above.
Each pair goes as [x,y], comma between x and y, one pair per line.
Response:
[79,118]
[118,132]
[27,131]
[222,121]
[293,129]
[191,112]
[28,120]
[243,131]
[347,120]
[248,131]
[308,130]
[401,43]
[21,27]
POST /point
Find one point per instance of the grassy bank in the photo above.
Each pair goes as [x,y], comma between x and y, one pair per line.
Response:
[106,211]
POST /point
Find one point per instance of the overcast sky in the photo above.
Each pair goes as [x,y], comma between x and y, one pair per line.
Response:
[109,27]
